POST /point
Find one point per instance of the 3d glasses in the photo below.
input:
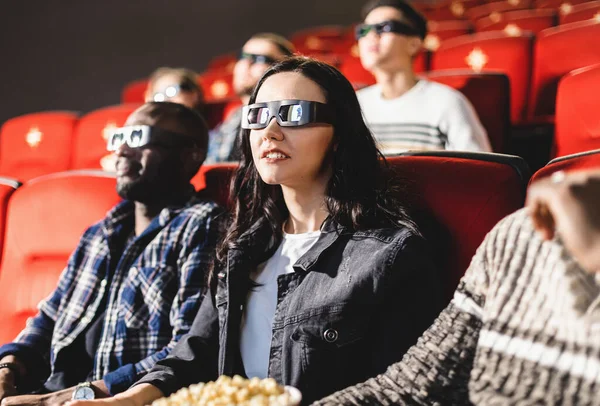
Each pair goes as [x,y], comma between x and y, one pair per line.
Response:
[257,58]
[289,113]
[136,136]
[394,26]
[171,91]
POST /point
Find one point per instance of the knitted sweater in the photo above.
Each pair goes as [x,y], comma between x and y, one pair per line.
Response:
[523,328]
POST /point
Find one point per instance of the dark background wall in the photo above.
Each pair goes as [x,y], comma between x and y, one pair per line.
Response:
[78,54]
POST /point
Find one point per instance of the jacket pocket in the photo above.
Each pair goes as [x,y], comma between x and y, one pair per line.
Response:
[331,347]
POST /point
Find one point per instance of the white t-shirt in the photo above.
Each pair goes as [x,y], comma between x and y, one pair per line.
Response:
[257,320]
[429,116]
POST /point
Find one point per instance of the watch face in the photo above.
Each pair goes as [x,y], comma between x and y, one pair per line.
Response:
[85,393]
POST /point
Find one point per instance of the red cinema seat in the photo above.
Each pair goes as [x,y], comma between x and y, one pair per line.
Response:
[217,86]
[318,39]
[577,118]
[581,12]
[134,92]
[46,218]
[453,10]
[490,95]
[558,51]
[460,197]
[574,162]
[7,188]
[222,63]
[36,144]
[475,13]
[352,69]
[212,182]
[492,52]
[514,22]
[91,135]
[562,6]
[440,31]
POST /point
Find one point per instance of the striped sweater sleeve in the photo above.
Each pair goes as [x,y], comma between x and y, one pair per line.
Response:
[436,370]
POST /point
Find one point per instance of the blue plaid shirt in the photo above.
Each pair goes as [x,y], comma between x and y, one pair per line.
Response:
[152,291]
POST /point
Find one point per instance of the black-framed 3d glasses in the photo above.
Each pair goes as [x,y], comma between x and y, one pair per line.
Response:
[171,91]
[257,58]
[136,136]
[288,113]
[394,26]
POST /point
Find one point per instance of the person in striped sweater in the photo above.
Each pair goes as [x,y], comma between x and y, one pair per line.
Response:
[524,324]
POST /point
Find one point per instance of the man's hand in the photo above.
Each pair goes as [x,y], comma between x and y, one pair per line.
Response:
[7,383]
[53,399]
[569,205]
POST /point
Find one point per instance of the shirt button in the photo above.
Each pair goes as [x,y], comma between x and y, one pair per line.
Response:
[103,283]
[330,335]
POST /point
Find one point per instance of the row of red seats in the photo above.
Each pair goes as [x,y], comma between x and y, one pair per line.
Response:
[444,25]
[533,63]
[450,188]
[40,143]
[474,10]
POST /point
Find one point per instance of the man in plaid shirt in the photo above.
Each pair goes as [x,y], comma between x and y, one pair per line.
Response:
[133,286]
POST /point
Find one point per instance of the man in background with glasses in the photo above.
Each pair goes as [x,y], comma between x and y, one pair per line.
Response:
[405,112]
[257,55]
[134,284]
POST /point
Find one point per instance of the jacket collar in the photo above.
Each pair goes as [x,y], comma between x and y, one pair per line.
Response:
[330,232]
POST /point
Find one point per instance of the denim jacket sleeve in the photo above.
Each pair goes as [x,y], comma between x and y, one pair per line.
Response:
[198,246]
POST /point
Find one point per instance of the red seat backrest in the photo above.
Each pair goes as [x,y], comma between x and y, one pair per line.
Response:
[212,182]
[7,188]
[582,160]
[440,31]
[223,63]
[560,5]
[492,52]
[517,21]
[577,118]
[451,10]
[581,12]
[36,144]
[352,69]
[461,196]
[490,95]
[91,134]
[216,85]
[558,51]
[319,39]
[46,218]
[134,92]
[475,13]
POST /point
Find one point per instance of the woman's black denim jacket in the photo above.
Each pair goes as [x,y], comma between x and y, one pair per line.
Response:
[355,303]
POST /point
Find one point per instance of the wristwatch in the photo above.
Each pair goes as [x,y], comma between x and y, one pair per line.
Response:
[84,391]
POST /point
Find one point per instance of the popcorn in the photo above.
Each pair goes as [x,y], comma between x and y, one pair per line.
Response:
[226,391]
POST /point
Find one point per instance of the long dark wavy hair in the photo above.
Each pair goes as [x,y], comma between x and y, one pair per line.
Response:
[360,194]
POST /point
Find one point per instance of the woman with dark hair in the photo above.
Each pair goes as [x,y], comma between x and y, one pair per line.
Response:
[322,279]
